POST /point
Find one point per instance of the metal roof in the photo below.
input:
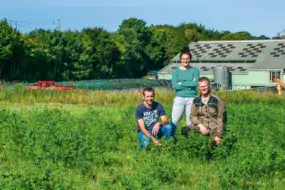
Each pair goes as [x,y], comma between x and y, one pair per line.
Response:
[264,54]
[208,68]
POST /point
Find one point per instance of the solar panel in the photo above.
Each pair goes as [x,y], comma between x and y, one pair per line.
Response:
[243,50]
[251,50]
[278,51]
[221,50]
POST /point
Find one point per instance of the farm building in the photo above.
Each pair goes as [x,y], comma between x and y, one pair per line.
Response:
[250,64]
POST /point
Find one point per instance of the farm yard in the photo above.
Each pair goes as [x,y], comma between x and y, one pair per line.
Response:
[88,140]
[71,78]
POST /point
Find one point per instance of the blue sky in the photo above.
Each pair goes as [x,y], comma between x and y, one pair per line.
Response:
[258,17]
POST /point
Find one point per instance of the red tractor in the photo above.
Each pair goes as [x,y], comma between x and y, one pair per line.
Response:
[49,85]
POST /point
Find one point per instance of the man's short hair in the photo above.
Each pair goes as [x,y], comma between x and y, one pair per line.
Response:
[148,89]
[202,79]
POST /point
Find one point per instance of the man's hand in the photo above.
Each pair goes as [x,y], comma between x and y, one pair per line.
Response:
[155,128]
[203,129]
[179,83]
[217,140]
[155,141]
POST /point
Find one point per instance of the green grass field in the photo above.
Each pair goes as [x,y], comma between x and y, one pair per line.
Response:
[78,146]
[73,109]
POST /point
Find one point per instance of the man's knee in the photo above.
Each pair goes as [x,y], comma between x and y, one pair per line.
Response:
[168,127]
[166,131]
[144,141]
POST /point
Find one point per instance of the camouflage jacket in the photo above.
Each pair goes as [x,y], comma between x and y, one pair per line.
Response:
[212,115]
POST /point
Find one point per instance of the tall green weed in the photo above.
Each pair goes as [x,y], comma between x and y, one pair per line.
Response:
[45,148]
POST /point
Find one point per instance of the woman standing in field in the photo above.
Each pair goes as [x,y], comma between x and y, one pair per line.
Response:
[185,82]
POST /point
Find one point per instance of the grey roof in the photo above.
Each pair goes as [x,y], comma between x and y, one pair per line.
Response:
[264,54]
[208,68]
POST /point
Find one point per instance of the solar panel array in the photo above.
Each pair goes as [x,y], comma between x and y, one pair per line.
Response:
[222,50]
[211,51]
[279,50]
[239,56]
[252,50]
[209,67]
[242,50]
[200,49]
[206,68]
[231,68]
[234,67]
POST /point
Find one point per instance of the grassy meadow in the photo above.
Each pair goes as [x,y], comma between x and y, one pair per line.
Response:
[88,140]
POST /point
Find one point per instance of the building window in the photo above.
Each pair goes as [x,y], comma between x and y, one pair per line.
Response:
[274,75]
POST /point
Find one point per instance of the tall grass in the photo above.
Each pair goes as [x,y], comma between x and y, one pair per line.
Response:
[119,98]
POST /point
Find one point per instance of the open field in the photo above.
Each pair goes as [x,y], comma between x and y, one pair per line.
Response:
[73,109]
[48,144]
[19,95]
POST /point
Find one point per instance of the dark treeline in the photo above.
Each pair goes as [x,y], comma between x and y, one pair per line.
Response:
[93,53]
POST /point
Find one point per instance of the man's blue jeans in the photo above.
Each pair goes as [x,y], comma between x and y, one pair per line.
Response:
[165,130]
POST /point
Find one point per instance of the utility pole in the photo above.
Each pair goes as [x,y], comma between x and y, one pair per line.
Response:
[58,27]
[58,24]
[14,22]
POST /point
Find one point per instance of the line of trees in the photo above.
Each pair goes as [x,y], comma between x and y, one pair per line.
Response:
[92,53]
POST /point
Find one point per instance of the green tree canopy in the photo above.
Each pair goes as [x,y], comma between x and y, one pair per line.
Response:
[93,53]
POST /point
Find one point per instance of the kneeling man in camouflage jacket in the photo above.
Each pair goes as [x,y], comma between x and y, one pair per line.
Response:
[208,114]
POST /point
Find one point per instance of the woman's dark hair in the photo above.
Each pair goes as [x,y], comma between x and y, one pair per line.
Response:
[185,50]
